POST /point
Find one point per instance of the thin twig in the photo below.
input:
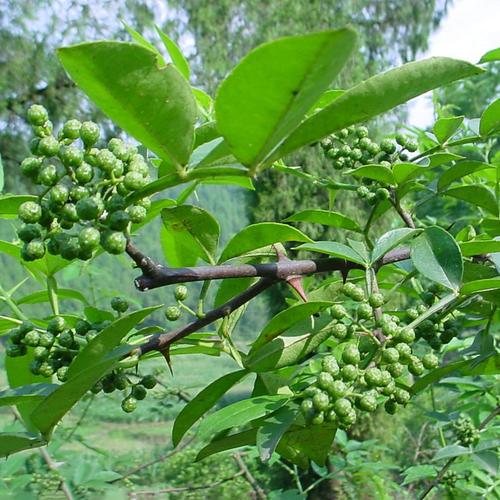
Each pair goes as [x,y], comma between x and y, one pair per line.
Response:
[162,341]
[259,492]
[82,417]
[448,464]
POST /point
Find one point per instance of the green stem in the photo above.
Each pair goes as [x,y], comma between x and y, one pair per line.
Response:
[434,409]
[13,306]
[458,142]
[52,290]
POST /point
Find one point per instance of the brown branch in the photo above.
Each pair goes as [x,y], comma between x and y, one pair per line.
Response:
[259,492]
[405,216]
[155,275]
[162,341]
[449,463]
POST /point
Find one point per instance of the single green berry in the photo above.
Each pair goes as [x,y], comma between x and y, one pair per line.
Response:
[106,160]
[56,325]
[364,311]
[134,181]
[71,129]
[318,418]
[48,146]
[82,327]
[129,404]
[84,173]
[395,369]
[78,193]
[415,366]
[46,339]
[373,376]
[338,311]
[37,115]
[390,355]
[172,313]
[114,242]
[387,146]
[71,156]
[339,331]
[349,373]
[367,403]
[406,335]
[89,238]
[29,232]
[181,292]
[401,396]
[59,195]
[121,382]
[145,203]
[65,339]
[137,214]
[329,364]
[342,407]
[31,166]
[15,350]
[148,381]
[89,208]
[430,361]
[31,339]
[338,389]
[70,249]
[324,380]
[119,305]
[411,146]
[69,212]
[361,132]
[404,351]
[362,191]
[118,220]
[33,250]
[30,212]
[390,407]
[139,392]
[307,408]
[376,300]
[89,133]
[321,401]
[351,354]
[62,374]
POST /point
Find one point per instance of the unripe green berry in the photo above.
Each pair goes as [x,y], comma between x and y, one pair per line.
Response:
[390,355]
[119,305]
[364,311]
[59,195]
[82,327]
[321,401]
[388,146]
[30,212]
[29,232]
[71,129]
[339,331]
[148,381]
[37,115]
[70,249]
[415,366]
[401,396]
[84,173]
[139,392]
[329,364]
[46,339]
[430,361]
[324,380]
[137,214]
[89,208]
[349,373]
[373,376]
[106,160]
[31,339]
[404,351]
[15,350]
[173,313]
[33,250]
[134,181]
[181,292]
[338,389]
[118,220]
[351,354]
[367,403]
[48,146]
[114,242]
[395,369]
[406,335]
[129,404]
[390,407]
[342,407]
[89,133]
[71,156]
[338,311]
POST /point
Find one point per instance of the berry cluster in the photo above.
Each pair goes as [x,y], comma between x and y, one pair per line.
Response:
[351,147]
[369,360]
[120,379]
[465,431]
[84,202]
[173,313]
[55,347]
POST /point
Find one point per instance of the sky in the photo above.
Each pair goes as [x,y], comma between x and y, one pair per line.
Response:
[471,28]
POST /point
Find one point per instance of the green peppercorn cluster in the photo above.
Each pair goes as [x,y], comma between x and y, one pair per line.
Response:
[466,432]
[352,147]
[372,356]
[46,484]
[55,347]
[83,204]
[173,313]
[122,380]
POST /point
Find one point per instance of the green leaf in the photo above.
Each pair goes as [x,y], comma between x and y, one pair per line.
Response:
[405,171]
[419,472]
[245,438]
[453,450]
[9,204]
[268,93]
[488,461]
[477,194]
[175,54]
[326,98]
[288,318]
[150,101]
[375,96]
[191,233]
[314,442]
[479,286]
[32,392]
[325,217]
[444,128]
[43,296]
[437,159]
[12,442]
[336,249]
[107,340]
[470,248]
[459,170]
[490,119]
[391,240]
[143,42]
[202,402]
[437,256]
[240,413]
[291,346]
[258,236]
[272,430]
[376,172]
[436,375]
[490,56]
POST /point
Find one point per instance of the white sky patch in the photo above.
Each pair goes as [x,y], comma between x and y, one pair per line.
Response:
[471,28]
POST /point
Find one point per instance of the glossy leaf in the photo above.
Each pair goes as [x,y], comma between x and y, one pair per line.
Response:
[326,98]
[437,159]
[444,128]
[477,247]
[459,170]
[22,394]
[12,442]
[376,172]
[268,93]
[403,172]
[335,249]
[260,235]
[150,101]
[190,231]
[175,54]
[138,38]
[490,119]
[490,56]
[43,296]
[436,375]
[391,240]
[436,255]
[240,413]
[453,450]
[478,286]
[271,431]
[476,194]
[325,217]
[377,95]
[202,402]
[237,440]
[286,319]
